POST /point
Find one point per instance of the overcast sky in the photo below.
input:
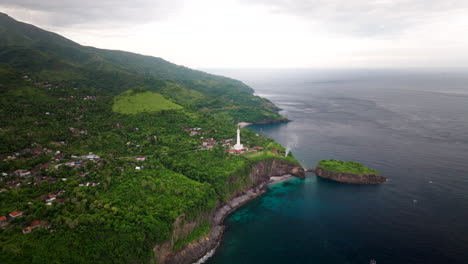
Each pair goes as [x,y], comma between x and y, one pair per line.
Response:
[264,33]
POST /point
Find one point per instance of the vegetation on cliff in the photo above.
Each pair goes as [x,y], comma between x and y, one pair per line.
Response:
[96,179]
[345,167]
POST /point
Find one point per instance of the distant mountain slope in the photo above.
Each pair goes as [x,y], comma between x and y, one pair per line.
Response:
[51,57]
[17,34]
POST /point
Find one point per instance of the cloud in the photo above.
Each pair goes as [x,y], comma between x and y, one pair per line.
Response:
[263,33]
[366,17]
[60,13]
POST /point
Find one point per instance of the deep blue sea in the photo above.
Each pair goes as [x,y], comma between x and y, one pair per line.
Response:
[411,125]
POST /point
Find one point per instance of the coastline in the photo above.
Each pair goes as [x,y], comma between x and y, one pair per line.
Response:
[235,204]
[199,251]
[267,121]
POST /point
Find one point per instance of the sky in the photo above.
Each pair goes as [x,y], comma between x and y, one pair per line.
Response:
[264,33]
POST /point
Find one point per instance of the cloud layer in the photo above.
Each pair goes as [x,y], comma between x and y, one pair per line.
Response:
[264,33]
[369,17]
[57,13]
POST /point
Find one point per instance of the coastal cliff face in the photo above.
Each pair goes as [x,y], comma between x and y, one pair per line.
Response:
[349,177]
[262,171]
[258,178]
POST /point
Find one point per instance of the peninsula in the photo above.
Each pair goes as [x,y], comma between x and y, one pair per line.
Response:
[348,172]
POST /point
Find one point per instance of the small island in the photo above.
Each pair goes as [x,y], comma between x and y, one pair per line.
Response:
[348,172]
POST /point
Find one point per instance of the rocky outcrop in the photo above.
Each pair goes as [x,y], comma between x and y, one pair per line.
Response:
[349,177]
[259,177]
[263,170]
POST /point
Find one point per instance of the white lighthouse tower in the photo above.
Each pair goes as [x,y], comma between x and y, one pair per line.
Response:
[238,145]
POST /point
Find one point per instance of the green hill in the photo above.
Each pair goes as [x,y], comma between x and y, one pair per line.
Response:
[131,102]
[71,154]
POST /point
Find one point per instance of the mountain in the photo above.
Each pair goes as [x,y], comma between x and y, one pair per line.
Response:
[106,154]
[53,57]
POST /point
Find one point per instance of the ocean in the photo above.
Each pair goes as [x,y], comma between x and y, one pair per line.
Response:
[411,125]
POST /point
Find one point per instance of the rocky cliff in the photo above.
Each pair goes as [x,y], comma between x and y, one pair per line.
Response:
[349,177]
[258,178]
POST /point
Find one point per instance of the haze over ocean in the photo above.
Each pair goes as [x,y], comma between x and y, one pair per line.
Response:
[411,125]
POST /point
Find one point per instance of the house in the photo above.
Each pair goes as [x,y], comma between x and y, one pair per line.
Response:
[44,166]
[59,156]
[61,200]
[36,223]
[3,190]
[43,197]
[70,164]
[141,158]
[36,151]
[15,214]
[231,151]
[137,168]
[13,184]
[92,156]
[22,173]
[3,221]
[27,230]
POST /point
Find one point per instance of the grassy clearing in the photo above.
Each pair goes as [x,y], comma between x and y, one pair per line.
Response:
[267,154]
[132,103]
[345,167]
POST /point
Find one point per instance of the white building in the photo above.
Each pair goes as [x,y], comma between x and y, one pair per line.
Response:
[238,145]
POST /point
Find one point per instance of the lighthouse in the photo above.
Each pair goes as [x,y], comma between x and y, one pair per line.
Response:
[238,145]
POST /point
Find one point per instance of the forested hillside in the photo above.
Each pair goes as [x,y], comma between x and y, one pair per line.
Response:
[101,151]
[52,57]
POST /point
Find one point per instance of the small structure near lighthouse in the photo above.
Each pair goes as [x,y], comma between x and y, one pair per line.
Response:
[238,146]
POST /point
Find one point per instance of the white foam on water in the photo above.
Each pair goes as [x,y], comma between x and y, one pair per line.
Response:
[206,257]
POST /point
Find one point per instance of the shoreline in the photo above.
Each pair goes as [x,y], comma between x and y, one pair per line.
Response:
[262,174]
[264,122]
[231,206]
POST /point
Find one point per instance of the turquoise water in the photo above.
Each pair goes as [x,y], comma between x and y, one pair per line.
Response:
[412,127]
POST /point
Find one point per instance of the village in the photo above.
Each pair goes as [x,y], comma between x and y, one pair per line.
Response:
[28,178]
[210,143]
[55,160]
[51,165]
